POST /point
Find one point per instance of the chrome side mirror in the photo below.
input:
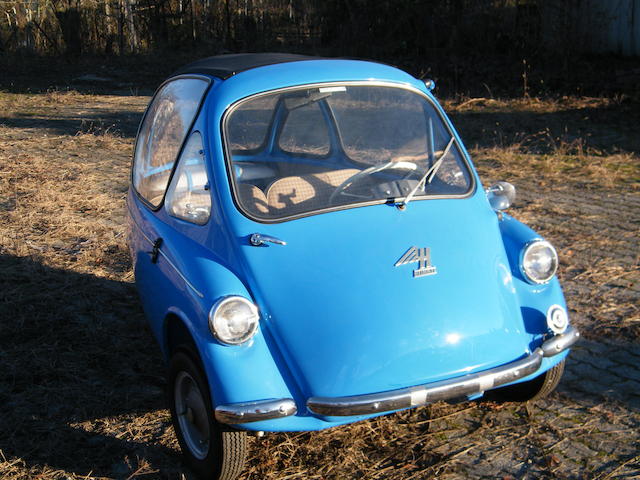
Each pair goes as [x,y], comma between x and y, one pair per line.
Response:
[501,195]
[430,84]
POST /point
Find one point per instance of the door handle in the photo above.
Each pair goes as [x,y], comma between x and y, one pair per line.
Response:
[258,239]
[155,251]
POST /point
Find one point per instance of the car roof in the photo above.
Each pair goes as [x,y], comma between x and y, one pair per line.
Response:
[226,66]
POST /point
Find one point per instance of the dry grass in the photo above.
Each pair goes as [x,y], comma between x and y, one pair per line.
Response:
[588,140]
[81,384]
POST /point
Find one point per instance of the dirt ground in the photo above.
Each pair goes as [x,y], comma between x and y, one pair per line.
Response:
[81,381]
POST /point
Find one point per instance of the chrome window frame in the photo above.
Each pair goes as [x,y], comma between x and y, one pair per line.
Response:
[363,83]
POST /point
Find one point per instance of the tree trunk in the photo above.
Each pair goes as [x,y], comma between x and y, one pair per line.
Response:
[70,24]
[133,35]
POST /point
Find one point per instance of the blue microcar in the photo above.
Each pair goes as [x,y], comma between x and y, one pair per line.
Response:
[313,247]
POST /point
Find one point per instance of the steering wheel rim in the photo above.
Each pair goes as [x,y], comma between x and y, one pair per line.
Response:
[367,172]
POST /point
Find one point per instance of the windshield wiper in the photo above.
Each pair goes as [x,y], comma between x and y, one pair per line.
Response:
[427,177]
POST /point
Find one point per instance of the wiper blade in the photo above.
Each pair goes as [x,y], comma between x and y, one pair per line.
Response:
[427,177]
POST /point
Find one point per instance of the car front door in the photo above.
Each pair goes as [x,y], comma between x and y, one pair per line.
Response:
[169,182]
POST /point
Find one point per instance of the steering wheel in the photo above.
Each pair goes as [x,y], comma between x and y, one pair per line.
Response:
[367,172]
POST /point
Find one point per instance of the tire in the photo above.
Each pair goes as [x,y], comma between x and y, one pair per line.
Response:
[531,390]
[212,450]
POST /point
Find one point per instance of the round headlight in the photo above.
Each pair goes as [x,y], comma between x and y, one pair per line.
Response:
[233,320]
[557,319]
[539,261]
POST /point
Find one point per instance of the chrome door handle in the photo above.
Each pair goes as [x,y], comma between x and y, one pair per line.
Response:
[257,239]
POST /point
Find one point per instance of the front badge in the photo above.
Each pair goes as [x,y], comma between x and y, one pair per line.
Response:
[423,257]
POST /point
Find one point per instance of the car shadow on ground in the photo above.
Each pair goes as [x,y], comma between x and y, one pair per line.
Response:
[78,371]
[121,122]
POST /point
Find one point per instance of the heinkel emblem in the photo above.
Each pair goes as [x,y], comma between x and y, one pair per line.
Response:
[423,257]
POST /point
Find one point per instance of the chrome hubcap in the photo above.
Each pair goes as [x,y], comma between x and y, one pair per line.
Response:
[192,415]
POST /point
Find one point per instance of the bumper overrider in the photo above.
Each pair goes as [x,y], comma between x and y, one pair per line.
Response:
[408,397]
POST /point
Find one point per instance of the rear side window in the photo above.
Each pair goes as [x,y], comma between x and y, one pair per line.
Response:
[162,133]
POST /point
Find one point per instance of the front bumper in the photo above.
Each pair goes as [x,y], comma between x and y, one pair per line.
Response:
[389,401]
[255,411]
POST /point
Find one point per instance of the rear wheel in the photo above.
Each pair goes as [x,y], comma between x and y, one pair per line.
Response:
[212,450]
[534,389]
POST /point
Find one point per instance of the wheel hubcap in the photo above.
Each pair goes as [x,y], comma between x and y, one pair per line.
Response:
[192,415]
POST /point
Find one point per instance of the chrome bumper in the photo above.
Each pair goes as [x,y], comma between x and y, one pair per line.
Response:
[471,384]
[255,411]
[445,389]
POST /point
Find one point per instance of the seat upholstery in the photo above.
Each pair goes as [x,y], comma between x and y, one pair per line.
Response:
[253,200]
[291,195]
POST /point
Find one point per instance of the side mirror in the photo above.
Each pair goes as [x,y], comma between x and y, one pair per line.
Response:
[501,195]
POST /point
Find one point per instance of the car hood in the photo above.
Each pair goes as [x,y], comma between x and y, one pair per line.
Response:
[348,321]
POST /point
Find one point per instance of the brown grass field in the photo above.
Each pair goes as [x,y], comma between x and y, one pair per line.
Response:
[82,381]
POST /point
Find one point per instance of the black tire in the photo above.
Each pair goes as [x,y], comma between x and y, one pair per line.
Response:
[224,452]
[532,390]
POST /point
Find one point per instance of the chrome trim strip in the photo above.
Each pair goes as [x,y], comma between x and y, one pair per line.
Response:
[237,413]
[164,255]
[443,390]
[559,343]
[180,274]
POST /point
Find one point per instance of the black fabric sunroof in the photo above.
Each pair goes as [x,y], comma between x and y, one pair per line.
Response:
[225,66]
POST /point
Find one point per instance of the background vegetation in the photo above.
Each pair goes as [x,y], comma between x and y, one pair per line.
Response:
[481,47]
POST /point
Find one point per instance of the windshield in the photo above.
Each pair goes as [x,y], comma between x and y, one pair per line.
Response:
[303,151]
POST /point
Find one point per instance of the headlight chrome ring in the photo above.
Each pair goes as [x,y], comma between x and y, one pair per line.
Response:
[538,261]
[233,320]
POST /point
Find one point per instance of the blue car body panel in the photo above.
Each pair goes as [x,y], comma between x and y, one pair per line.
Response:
[337,317]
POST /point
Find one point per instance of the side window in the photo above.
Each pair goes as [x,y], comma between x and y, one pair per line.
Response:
[162,133]
[305,131]
[188,197]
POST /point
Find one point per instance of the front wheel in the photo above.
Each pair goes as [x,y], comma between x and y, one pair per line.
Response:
[212,450]
[531,390]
